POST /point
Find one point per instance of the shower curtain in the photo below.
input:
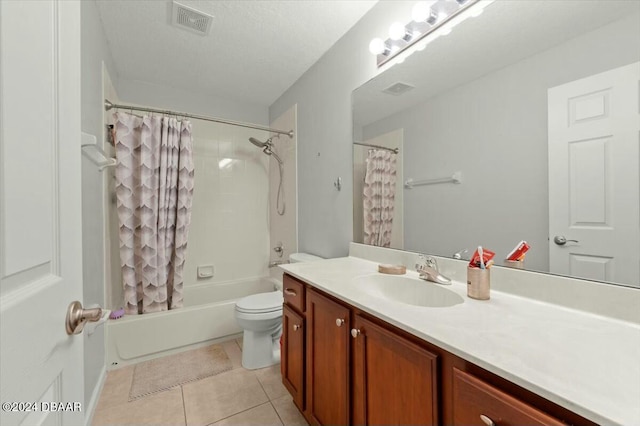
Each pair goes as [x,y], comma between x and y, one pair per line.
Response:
[379,196]
[154,188]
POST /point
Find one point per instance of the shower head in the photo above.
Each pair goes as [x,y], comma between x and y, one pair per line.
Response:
[266,148]
[259,144]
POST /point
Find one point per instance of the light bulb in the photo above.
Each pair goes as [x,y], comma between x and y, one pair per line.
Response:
[421,11]
[397,31]
[377,46]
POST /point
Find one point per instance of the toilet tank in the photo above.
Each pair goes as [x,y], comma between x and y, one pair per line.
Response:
[303,257]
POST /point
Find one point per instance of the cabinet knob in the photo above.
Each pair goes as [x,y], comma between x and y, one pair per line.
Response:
[339,322]
[355,332]
[296,327]
[486,420]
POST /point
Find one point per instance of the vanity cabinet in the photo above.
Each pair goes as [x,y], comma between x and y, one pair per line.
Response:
[344,366]
[292,354]
[476,402]
[328,342]
[394,380]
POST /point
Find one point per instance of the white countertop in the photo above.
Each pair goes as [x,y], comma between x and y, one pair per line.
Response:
[587,363]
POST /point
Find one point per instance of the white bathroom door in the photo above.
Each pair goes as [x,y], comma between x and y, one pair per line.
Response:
[594,185]
[40,212]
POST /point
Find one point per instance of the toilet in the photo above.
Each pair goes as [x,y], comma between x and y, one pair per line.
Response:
[260,316]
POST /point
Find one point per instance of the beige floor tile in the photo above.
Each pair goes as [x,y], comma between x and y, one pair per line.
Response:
[164,408]
[116,387]
[234,353]
[262,415]
[271,380]
[215,398]
[288,412]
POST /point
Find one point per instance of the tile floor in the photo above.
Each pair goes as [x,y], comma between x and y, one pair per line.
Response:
[236,397]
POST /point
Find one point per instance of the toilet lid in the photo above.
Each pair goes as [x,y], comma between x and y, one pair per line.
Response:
[261,302]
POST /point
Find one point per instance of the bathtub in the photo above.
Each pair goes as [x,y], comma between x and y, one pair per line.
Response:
[208,317]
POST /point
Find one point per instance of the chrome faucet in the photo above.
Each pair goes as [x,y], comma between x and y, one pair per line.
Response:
[275,263]
[427,267]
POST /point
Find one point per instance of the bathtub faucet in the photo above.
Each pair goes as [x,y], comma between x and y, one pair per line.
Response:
[277,262]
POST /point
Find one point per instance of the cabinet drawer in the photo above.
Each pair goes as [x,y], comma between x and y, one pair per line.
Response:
[293,291]
[476,402]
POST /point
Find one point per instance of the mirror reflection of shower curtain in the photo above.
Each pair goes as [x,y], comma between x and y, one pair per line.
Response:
[379,196]
[154,189]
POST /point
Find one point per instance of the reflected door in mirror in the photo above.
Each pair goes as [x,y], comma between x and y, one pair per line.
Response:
[593,176]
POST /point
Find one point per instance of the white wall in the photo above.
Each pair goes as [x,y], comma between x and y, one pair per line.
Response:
[323,96]
[166,97]
[498,138]
[95,51]
[229,221]
[284,228]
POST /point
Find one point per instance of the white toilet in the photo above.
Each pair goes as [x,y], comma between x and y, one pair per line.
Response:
[260,316]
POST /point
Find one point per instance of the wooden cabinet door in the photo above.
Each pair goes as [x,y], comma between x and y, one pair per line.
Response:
[476,402]
[292,356]
[327,361]
[394,380]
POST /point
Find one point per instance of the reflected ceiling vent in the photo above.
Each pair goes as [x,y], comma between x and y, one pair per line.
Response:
[190,19]
[398,89]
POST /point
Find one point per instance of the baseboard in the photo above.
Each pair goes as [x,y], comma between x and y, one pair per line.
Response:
[95,396]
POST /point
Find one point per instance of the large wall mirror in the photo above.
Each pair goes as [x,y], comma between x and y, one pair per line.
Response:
[522,124]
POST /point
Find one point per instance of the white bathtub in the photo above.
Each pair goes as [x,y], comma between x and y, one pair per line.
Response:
[208,316]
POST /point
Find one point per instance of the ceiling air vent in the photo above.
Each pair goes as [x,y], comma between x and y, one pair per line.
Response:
[191,19]
[398,89]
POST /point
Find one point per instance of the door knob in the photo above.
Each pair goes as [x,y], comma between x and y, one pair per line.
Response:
[339,322]
[561,240]
[77,317]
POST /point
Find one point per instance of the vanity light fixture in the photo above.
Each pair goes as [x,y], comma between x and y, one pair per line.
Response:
[430,19]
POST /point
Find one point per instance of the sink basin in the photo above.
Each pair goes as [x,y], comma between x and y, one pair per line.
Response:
[410,291]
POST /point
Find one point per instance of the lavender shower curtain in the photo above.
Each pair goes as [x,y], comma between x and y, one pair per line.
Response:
[379,197]
[154,188]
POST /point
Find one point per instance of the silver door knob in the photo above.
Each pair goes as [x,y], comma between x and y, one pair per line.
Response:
[78,317]
[355,332]
[339,322]
[561,240]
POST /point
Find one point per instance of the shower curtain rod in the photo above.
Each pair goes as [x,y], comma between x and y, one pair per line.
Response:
[394,150]
[108,105]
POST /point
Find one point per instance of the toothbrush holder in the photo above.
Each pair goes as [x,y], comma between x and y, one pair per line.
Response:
[478,283]
[515,264]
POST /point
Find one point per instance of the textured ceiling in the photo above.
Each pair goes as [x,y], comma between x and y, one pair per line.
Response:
[255,51]
[507,32]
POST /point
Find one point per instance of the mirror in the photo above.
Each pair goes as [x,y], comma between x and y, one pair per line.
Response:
[533,106]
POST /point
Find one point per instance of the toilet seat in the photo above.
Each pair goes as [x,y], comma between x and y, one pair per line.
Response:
[261,303]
